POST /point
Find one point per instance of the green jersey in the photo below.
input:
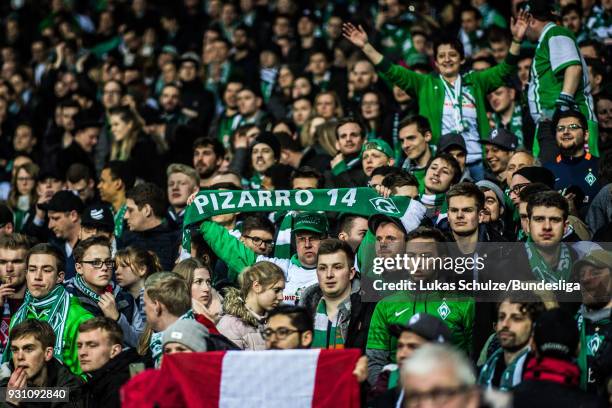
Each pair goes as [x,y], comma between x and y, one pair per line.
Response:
[399,308]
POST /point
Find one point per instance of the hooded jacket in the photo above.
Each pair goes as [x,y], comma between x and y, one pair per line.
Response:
[239,324]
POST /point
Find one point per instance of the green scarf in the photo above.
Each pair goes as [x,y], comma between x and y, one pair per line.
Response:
[328,334]
[156,340]
[515,125]
[360,201]
[119,220]
[542,270]
[513,373]
[282,246]
[80,284]
[436,200]
[52,308]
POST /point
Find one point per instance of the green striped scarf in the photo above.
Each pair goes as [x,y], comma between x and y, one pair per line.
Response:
[118,218]
[328,334]
[80,284]
[436,200]
[52,308]
[542,270]
[282,246]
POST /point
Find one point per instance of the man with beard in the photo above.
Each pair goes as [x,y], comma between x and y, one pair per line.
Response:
[574,166]
[13,250]
[398,308]
[208,156]
[288,327]
[494,205]
[595,319]
[514,328]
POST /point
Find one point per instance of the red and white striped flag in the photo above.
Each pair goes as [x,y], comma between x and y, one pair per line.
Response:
[275,378]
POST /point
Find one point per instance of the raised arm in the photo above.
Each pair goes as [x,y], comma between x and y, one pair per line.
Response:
[359,38]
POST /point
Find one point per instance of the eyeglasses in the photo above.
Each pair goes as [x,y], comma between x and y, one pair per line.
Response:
[303,239]
[258,241]
[517,189]
[281,333]
[438,396]
[571,126]
[97,263]
[24,179]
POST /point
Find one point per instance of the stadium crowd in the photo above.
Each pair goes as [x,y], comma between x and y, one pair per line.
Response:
[486,125]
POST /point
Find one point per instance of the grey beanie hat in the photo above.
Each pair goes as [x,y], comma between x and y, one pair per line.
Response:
[495,188]
[187,332]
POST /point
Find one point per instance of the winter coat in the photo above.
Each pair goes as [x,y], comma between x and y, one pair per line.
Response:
[58,375]
[162,240]
[103,385]
[239,324]
[356,335]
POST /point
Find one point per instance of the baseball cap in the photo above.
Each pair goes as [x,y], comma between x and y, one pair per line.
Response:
[502,138]
[63,201]
[599,258]
[311,221]
[378,144]
[190,333]
[451,140]
[375,220]
[98,216]
[426,326]
[555,334]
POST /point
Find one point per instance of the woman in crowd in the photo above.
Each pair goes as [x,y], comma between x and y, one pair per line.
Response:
[245,309]
[23,197]
[205,301]
[130,143]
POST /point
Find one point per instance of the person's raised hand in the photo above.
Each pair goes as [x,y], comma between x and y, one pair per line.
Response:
[361,369]
[383,191]
[518,25]
[108,306]
[355,35]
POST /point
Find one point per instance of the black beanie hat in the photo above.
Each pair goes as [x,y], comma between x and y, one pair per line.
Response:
[269,139]
[537,175]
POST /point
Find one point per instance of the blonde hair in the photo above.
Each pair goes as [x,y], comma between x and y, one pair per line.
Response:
[33,170]
[184,169]
[122,150]
[264,272]
[325,136]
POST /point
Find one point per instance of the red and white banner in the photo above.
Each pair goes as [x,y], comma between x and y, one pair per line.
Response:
[274,378]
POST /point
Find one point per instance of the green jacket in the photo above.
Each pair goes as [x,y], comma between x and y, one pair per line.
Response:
[398,309]
[429,90]
[76,315]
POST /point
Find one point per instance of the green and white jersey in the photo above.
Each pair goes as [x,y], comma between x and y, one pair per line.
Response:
[556,50]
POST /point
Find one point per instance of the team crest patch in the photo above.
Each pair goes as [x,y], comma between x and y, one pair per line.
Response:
[444,310]
[590,178]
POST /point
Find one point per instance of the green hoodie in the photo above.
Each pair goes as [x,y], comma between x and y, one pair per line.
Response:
[429,90]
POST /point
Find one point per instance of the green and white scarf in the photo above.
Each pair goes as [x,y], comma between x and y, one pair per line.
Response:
[118,218]
[516,123]
[436,200]
[362,201]
[282,246]
[326,335]
[156,340]
[80,284]
[52,309]
[542,270]
[512,375]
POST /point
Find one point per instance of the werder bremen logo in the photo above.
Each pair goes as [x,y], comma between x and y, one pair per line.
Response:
[593,344]
[384,205]
[444,310]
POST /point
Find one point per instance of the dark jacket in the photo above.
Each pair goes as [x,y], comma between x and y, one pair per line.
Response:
[162,240]
[58,375]
[315,160]
[361,313]
[103,385]
[75,154]
[553,383]
[353,177]
[123,300]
